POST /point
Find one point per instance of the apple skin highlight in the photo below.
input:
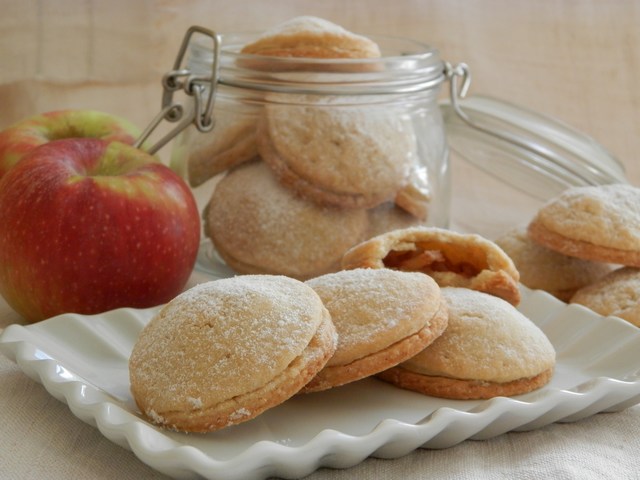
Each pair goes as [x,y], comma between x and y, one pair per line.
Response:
[23,136]
[88,225]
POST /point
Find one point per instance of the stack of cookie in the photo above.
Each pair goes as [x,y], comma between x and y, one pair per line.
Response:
[489,348]
[307,176]
[225,351]
[584,247]
[426,309]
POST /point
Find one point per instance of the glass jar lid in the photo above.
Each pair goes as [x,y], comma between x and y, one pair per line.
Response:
[530,152]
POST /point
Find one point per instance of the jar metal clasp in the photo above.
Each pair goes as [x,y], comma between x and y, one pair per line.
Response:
[201,88]
[453,73]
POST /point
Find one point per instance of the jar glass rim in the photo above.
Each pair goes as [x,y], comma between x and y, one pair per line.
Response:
[405,66]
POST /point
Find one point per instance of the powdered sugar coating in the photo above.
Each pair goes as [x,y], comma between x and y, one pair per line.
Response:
[617,293]
[222,339]
[258,226]
[545,269]
[453,259]
[603,215]
[487,339]
[374,308]
[305,23]
[230,143]
[354,156]
[308,36]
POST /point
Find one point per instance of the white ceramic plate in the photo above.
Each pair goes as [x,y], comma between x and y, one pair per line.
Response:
[82,360]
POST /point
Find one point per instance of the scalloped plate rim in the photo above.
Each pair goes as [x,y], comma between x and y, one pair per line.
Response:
[329,447]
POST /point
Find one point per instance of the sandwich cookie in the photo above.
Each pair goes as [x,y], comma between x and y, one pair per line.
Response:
[489,349]
[231,142]
[544,269]
[312,37]
[617,293]
[382,317]
[258,226]
[225,351]
[599,223]
[341,156]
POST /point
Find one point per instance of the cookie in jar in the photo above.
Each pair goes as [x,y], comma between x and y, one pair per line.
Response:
[323,138]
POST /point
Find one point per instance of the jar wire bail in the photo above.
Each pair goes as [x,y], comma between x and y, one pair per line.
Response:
[201,88]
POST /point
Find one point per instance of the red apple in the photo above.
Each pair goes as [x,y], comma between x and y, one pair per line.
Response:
[20,138]
[88,225]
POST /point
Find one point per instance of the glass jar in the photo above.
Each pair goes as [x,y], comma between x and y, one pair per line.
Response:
[518,160]
[309,157]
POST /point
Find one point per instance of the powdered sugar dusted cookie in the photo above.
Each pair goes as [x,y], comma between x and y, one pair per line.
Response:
[343,156]
[617,293]
[489,349]
[599,223]
[453,259]
[382,317]
[258,226]
[548,270]
[231,142]
[225,351]
[312,37]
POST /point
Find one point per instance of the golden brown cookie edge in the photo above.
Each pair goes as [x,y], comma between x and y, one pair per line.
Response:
[459,389]
[249,405]
[334,376]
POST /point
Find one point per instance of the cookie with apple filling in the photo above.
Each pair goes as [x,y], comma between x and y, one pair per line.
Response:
[453,259]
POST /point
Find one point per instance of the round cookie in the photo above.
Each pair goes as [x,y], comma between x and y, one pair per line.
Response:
[225,351]
[453,259]
[599,223]
[382,317]
[544,269]
[617,293]
[257,226]
[342,156]
[231,142]
[489,349]
[312,37]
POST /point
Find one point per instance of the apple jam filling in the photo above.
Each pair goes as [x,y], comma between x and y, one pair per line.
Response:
[429,259]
